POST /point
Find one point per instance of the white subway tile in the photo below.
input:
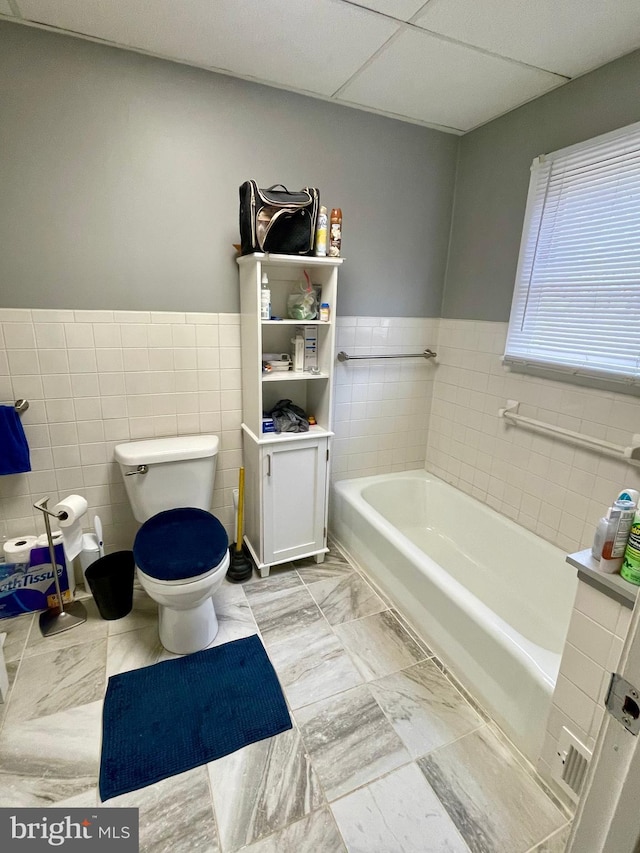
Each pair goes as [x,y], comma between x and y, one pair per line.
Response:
[167,317]
[93,316]
[109,360]
[202,318]
[66,457]
[54,360]
[574,703]
[184,335]
[79,335]
[114,407]
[597,606]
[134,335]
[63,433]
[60,411]
[23,361]
[84,384]
[15,315]
[132,317]
[111,384]
[107,335]
[88,409]
[82,360]
[90,431]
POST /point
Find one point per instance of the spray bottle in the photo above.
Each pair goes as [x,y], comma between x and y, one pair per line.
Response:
[630,569]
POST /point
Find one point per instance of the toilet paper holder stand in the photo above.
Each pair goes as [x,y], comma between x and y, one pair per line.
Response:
[61,618]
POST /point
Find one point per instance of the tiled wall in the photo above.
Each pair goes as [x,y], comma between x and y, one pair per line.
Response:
[553,488]
[97,378]
[596,634]
[382,405]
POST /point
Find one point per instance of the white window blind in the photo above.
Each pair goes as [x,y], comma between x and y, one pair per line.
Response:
[576,305]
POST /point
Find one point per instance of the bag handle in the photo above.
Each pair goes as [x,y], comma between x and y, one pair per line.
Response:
[275,186]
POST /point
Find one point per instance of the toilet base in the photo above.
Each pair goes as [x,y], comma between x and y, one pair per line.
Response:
[186,631]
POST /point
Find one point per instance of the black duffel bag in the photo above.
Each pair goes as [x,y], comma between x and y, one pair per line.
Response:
[275,220]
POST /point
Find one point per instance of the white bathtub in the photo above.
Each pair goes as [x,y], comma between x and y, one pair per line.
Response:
[492,599]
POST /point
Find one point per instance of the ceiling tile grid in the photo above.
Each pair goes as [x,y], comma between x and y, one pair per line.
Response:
[305,46]
[569,37]
[430,80]
[450,64]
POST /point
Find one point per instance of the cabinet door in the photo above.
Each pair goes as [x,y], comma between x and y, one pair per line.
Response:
[293,499]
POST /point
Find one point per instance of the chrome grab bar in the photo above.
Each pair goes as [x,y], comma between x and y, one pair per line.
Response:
[427,353]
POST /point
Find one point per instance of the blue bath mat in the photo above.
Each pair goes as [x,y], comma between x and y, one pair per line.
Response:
[170,717]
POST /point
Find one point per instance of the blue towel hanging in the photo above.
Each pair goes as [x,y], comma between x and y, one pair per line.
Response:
[14,450]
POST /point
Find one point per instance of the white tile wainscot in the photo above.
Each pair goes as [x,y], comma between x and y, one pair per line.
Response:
[597,631]
[96,378]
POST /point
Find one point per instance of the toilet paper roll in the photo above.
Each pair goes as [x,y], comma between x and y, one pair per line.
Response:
[17,550]
[73,508]
[43,542]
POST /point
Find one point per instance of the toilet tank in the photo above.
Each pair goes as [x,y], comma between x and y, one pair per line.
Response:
[179,472]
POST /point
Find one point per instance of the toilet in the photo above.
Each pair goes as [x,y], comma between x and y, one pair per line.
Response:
[182,550]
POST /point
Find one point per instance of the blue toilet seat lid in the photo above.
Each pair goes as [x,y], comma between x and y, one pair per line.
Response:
[179,544]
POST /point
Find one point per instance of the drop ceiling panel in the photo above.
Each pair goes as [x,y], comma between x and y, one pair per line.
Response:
[568,37]
[403,10]
[437,82]
[305,46]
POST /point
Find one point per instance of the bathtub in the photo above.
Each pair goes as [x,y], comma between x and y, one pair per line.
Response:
[491,599]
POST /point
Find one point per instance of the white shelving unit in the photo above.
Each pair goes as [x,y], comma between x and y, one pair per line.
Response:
[286,474]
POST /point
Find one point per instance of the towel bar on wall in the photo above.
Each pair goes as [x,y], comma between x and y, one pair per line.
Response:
[427,353]
[630,454]
[20,405]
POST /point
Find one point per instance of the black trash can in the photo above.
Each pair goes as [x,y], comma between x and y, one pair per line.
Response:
[111,582]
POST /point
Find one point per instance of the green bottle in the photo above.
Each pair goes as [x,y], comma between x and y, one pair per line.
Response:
[630,569]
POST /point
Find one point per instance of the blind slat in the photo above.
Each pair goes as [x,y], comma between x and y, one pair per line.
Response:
[576,303]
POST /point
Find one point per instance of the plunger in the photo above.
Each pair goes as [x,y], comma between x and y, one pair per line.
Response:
[240,567]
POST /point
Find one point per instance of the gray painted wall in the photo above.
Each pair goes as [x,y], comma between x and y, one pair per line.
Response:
[119,178]
[493,178]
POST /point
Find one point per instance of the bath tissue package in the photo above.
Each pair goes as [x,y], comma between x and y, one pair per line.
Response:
[25,587]
[70,512]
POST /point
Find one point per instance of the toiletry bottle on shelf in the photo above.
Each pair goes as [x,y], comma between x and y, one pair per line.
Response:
[321,233]
[630,569]
[335,233]
[325,312]
[615,542]
[265,299]
[599,536]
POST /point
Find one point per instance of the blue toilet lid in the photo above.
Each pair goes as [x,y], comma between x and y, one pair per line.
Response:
[179,544]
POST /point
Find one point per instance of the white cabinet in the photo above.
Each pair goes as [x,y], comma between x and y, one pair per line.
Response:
[286,474]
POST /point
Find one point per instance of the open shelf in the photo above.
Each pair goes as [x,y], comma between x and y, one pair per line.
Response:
[292,376]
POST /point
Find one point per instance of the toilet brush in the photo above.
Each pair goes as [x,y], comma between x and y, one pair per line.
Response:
[240,566]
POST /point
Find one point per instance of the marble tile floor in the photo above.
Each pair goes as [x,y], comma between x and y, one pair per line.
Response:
[386,754]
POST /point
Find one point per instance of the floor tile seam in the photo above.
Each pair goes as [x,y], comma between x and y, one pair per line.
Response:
[466,695]
[213,807]
[62,711]
[450,743]
[45,650]
[55,713]
[390,721]
[10,696]
[370,782]
[346,621]
[529,768]
[548,838]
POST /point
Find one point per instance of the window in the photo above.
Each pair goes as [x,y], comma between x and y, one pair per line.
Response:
[576,305]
